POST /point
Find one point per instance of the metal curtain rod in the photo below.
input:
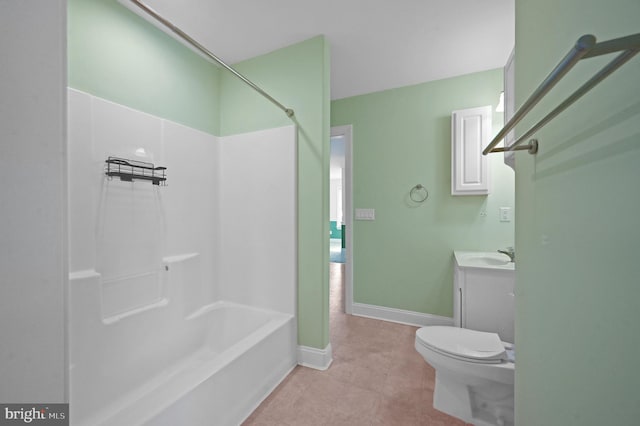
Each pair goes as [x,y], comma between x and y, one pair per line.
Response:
[170,26]
[585,47]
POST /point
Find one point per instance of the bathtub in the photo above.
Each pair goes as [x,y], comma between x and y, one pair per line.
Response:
[158,367]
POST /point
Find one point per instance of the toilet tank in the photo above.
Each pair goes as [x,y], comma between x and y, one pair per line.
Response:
[484,293]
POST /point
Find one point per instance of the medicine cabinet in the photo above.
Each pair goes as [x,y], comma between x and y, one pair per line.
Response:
[470,131]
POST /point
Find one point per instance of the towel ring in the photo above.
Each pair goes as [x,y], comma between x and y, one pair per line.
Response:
[424,194]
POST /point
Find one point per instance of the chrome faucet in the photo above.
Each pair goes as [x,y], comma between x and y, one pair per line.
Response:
[509,251]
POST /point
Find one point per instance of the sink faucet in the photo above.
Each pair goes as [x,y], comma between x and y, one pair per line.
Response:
[509,251]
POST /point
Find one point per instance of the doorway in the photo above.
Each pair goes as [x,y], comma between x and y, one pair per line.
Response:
[341,211]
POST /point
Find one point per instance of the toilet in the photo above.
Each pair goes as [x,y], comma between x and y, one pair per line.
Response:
[474,373]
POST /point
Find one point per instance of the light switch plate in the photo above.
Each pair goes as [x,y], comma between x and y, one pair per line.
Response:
[365,214]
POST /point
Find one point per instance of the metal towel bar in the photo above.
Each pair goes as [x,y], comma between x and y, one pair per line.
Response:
[585,47]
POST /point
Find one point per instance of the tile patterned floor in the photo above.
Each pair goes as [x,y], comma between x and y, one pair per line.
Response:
[376,378]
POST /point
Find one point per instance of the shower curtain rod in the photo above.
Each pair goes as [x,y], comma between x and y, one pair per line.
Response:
[184,36]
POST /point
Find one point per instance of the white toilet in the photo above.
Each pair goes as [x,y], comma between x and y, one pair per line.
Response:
[474,373]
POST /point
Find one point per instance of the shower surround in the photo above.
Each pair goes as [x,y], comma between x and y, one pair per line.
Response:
[181,311]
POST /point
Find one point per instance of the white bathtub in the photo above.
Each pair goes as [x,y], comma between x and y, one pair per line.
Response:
[156,367]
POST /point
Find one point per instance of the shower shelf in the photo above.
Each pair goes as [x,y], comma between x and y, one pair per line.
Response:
[128,170]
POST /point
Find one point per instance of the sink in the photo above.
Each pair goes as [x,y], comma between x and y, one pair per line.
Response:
[488,260]
[474,259]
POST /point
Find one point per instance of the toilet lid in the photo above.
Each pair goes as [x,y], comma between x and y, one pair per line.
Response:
[471,345]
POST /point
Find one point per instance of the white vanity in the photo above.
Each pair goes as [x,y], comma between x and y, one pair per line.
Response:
[483,293]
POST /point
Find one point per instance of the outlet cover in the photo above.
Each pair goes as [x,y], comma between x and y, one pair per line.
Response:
[505,214]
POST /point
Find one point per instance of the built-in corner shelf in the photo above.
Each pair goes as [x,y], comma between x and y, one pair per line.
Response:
[128,170]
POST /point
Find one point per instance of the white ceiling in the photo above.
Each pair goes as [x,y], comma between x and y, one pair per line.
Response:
[375,44]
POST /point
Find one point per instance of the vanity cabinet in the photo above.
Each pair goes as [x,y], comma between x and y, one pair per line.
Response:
[470,132]
[484,293]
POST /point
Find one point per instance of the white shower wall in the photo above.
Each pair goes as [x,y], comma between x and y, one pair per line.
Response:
[125,230]
[147,261]
[228,211]
[258,226]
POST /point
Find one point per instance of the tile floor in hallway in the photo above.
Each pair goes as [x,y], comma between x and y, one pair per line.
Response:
[376,378]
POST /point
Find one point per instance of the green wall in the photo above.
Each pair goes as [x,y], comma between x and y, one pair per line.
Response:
[402,137]
[577,231]
[298,77]
[116,55]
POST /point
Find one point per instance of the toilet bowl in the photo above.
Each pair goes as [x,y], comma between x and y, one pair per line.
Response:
[474,373]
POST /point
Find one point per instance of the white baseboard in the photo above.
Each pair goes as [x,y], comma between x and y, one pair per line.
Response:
[320,359]
[399,315]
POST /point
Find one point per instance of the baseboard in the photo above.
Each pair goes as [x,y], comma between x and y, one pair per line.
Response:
[399,315]
[320,359]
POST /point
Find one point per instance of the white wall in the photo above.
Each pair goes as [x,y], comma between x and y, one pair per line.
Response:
[229,209]
[33,229]
[334,184]
[127,231]
[336,172]
[258,225]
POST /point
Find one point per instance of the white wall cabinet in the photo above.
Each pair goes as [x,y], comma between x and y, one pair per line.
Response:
[470,131]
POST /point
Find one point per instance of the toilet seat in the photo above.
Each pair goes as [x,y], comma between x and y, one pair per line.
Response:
[463,344]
